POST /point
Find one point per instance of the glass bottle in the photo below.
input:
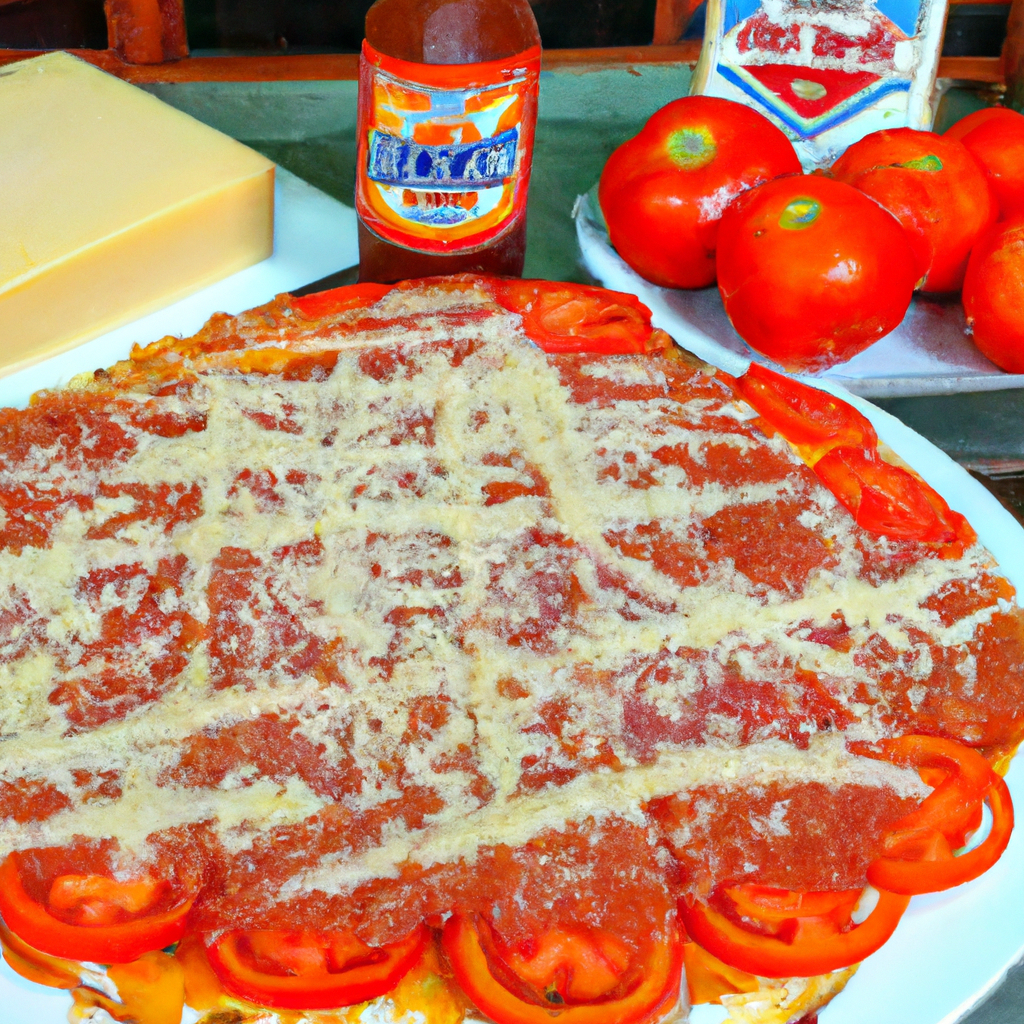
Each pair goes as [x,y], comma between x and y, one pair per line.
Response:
[447,109]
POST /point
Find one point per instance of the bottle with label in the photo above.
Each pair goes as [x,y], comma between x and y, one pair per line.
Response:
[447,110]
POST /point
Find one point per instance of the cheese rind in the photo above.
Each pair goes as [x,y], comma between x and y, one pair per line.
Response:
[112,204]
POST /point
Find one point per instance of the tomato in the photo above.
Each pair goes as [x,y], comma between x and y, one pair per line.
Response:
[309,970]
[813,420]
[995,137]
[663,192]
[919,849]
[93,917]
[841,445]
[773,934]
[562,317]
[812,271]
[973,120]
[558,316]
[337,300]
[581,975]
[889,499]
[994,294]
[934,187]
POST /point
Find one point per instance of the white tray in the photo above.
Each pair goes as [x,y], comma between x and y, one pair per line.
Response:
[930,353]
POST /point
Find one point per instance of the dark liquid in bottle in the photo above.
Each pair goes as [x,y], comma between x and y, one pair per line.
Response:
[447,32]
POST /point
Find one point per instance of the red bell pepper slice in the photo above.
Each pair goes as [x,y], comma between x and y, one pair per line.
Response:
[30,963]
[754,938]
[919,850]
[766,903]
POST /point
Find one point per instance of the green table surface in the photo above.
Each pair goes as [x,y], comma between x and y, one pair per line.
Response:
[309,128]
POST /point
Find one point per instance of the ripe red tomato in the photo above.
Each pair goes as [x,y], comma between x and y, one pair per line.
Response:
[995,136]
[663,192]
[812,271]
[934,187]
[994,294]
[564,317]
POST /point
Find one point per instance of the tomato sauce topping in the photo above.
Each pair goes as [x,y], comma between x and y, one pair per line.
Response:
[425,583]
[806,838]
[103,683]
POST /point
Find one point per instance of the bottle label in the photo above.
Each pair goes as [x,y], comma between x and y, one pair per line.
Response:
[443,164]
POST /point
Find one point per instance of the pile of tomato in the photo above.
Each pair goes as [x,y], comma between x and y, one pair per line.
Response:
[814,268]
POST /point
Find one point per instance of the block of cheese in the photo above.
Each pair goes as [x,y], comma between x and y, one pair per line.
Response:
[112,204]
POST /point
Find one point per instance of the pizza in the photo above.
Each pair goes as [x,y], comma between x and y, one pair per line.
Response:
[465,647]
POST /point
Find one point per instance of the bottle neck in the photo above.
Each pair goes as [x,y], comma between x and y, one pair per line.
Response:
[451,31]
[453,76]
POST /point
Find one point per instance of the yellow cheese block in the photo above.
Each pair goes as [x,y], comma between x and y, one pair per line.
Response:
[112,204]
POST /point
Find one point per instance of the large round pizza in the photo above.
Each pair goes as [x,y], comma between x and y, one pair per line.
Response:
[463,647]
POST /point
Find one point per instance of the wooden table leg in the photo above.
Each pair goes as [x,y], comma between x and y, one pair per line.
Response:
[147,31]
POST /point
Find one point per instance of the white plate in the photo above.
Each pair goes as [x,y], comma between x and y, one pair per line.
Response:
[928,354]
[950,949]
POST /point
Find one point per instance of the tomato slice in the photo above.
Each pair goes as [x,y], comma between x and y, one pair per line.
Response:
[563,317]
[309,970]
[558,316]
[337,300]
[841,446]
[813,420]
[889,500]
[758,941]
[93,917]
[580,975]
[919,849]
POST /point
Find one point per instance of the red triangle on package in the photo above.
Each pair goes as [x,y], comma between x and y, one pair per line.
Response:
[810,92]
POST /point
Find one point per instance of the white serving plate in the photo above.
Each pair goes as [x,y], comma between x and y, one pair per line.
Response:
[930,352]
[949,951]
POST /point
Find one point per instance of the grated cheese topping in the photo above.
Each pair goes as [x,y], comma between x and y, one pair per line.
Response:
[440,562]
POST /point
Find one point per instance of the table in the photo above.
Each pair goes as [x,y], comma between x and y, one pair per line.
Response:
[308,127]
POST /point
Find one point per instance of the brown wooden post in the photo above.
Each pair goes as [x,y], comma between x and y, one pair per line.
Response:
[146,31]
[671,18]
[1013,56]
